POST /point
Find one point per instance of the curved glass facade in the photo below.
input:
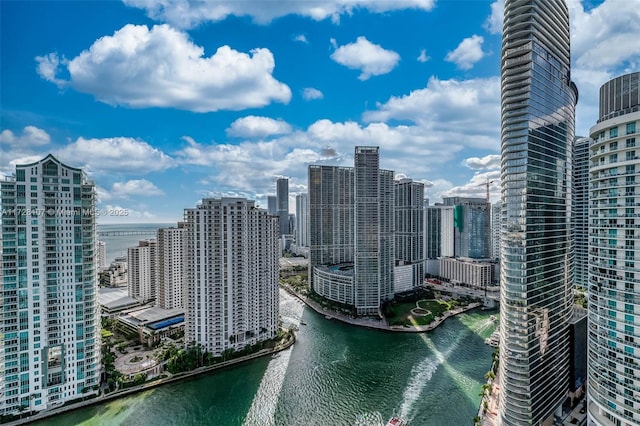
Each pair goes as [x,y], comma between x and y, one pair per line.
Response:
[614,257]
[538,106]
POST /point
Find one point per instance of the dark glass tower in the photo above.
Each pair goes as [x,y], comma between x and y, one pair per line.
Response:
[538,105]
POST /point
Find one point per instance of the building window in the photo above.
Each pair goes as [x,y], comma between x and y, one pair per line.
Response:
[631,128]
[613,132]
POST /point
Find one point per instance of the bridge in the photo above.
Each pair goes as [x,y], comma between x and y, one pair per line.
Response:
[125,233]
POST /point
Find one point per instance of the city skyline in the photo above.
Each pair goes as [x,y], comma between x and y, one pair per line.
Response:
[330,79]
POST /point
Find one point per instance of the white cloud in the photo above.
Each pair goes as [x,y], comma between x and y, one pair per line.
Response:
[22,148]
[31,136]
[49,66]
[371,59]
[423,56]
[468,52]
[301,38]
[161,67]
[477,186]
[493,24]
[188,14]
[257,127]
[467,110]
[309,93]
[119,154]
[135,187]
[606,35]
[255,163]
[488,162]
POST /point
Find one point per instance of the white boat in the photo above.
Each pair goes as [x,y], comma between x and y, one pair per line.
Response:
[397,421]
[493,340]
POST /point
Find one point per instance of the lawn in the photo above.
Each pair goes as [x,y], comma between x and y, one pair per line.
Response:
[400,313]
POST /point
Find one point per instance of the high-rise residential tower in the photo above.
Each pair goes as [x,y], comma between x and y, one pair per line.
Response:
[536,300]
[351,216]
[439,235]
[141,273]
[331,231]
[409,232]
[302,220]
[496,215]
[581,211]
[170,277]
[470,226]
[50,322]
[374,245]
[101,261]
[282,197]
[614,257]
[231,272]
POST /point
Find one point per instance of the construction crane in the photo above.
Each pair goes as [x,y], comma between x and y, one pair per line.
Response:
[487,184]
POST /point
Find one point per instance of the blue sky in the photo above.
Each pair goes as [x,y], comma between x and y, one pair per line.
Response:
[165,102]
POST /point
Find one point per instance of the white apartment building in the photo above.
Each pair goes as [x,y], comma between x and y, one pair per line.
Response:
[302,220]
[141,272]
[231,272]
[496,212]
[170,277]
[50,324]
[101,261]
[614,257]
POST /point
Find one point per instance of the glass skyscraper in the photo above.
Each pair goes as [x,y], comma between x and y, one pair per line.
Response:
[537,106]
[614,248]
[49,315]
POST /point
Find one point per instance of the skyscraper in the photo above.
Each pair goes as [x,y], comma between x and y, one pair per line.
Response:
[470,226]
[141,272]
[331,229]
[170,277]
[101,261]
[282,197]
[272,204]
[409,232]
[439,235]
[50,343]
[581,210]
[614,257]
[351,232]
[496,214]
[374,246]
[231,272]
[536,301]
[302,220]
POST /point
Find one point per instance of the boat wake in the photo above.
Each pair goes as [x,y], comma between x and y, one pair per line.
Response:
[263,406]
[421,374]
[369,419]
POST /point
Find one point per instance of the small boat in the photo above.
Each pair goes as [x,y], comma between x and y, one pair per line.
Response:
[303,323]
[328,316]
[397,421]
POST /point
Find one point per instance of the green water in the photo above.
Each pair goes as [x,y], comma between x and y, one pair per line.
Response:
[333,374]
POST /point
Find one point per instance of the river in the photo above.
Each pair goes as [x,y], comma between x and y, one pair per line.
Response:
[334,374]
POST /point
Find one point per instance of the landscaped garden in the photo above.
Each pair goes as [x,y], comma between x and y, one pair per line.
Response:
[421,307]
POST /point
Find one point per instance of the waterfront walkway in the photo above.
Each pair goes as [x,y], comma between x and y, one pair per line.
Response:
[374,323]
[152,384]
